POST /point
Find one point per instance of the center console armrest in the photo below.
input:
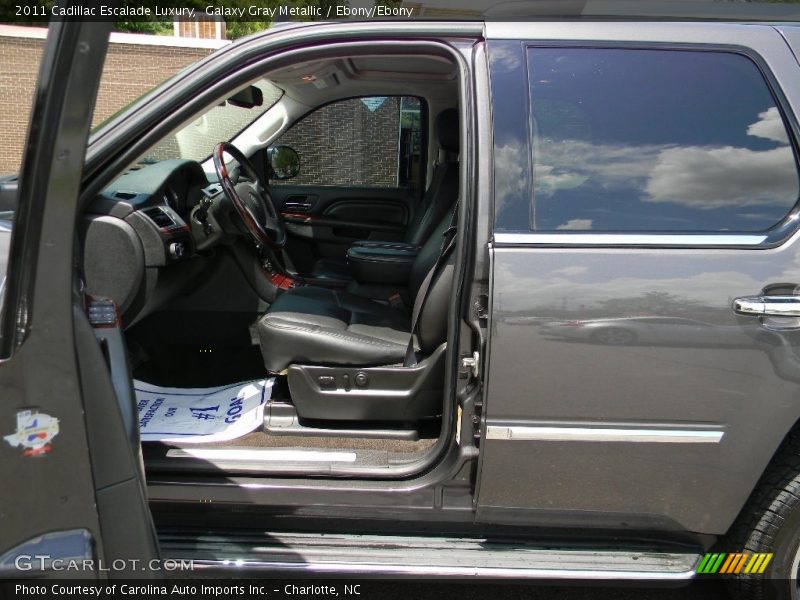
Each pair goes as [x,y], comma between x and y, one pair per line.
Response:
[387,263]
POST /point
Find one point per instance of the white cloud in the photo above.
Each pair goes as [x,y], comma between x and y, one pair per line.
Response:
[580,224]
[700,177]
[769,126]
[548,181]
[708,178]
[502,57]
[571,271]
[570,163]
[509,167]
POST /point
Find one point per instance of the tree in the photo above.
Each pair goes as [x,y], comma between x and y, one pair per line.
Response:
[237,29]
[152,27]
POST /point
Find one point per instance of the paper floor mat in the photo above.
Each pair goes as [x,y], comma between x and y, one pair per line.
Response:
[201,415]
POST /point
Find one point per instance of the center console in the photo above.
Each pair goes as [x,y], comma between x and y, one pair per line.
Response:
[380,271]
[381,263]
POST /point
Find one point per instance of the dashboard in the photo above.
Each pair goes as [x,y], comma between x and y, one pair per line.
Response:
[160,197]
[137,234]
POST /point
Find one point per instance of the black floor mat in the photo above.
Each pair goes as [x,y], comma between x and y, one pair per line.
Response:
[191,367]
[195,349]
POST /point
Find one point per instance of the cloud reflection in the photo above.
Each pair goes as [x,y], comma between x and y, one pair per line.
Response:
[697,177]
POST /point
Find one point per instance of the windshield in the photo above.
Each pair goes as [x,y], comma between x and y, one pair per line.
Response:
[223,122]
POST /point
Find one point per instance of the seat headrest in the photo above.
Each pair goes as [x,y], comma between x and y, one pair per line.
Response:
[447,128]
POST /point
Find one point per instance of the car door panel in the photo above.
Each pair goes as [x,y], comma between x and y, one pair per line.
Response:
[387,213]
[589,391]
[323,221]
[657,432]
[74,477]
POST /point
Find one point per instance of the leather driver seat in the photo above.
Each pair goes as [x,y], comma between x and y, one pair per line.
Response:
[320,326]
[439,197]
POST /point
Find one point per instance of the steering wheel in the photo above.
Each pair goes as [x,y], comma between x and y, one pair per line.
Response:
[250,198]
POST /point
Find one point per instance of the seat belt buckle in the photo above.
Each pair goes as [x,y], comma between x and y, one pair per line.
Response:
[395,300]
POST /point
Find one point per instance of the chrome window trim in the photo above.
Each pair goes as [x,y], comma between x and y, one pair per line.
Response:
[627,239]
[603,434]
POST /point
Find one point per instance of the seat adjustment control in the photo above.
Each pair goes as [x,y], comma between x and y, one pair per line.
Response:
[327,382]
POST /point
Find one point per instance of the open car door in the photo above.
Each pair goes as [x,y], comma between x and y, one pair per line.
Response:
[73,482]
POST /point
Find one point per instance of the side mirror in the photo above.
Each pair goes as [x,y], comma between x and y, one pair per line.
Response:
[284,162]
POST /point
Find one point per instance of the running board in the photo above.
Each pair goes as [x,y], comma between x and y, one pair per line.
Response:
[399,556]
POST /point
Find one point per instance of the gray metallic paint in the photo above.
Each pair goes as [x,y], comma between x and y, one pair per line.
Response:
[89,480]
[738,388]
[749,391]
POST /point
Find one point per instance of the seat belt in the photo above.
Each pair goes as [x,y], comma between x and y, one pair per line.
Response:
[448,243]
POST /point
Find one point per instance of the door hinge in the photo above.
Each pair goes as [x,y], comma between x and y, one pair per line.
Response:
[471,365]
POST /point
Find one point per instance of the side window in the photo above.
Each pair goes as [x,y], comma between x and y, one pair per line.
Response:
[656,140]
[364,142]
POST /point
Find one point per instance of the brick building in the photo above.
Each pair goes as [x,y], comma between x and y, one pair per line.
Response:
[347,143]
[135,64]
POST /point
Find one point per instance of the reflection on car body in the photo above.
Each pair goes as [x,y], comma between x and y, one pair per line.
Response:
[656,330]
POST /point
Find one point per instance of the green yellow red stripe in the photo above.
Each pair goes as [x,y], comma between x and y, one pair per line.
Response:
[734,563]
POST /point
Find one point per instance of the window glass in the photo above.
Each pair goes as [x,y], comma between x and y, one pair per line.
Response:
[372,142]
[652,140]
[195,140]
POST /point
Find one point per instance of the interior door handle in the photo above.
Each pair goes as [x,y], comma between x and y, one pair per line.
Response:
[768,306]
[300,202]
[295,205]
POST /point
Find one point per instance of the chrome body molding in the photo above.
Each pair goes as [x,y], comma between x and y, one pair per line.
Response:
[420,556]
[603,434]
[626,239]
[323,568]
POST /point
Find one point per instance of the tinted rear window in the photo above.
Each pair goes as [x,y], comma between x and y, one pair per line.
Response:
[656,140]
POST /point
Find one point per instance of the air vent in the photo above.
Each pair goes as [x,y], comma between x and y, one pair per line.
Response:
[125,195]
[159,217]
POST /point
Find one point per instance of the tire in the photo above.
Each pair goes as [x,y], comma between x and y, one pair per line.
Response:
[770,522]
[614,336]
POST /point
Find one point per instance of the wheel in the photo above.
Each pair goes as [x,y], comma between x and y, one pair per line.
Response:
[614,336]
[770,523]
[250,198]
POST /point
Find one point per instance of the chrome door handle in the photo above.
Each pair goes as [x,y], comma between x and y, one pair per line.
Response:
[768,306]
